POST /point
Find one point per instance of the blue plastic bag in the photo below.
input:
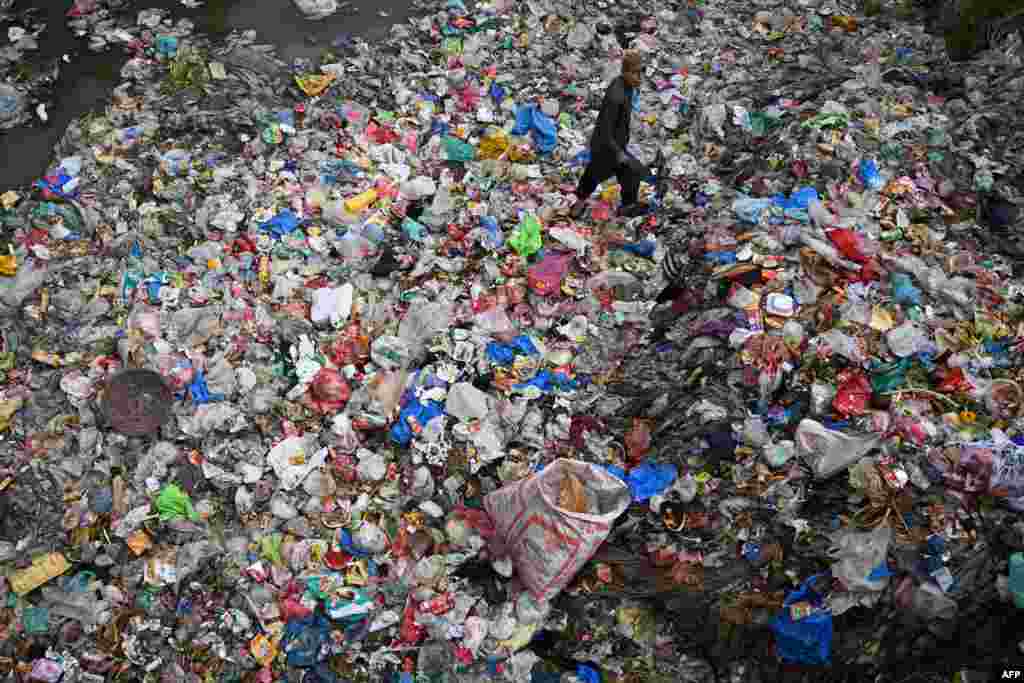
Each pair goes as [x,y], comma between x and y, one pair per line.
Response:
[304,639]
[801,198]
[650,479]
[644,249]
[200,392]
[751,209]
[809,640]
[904,291]
[401,432]
[529,118]
[282,224]
[505,354]
[870,175]
[494,238]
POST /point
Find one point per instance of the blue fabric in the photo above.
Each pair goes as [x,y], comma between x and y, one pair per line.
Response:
[809,640]
[529,118]
[283,223]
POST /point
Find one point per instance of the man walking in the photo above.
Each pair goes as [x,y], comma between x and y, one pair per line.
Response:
[608,155]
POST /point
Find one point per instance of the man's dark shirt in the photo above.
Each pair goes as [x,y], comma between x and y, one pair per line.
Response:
[611,132]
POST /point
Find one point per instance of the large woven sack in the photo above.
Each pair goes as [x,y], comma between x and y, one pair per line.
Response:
[540,530]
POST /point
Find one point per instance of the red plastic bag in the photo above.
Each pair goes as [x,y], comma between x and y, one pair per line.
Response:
[638,440]
[954,382]
[328,392]
[853,396]
[848,243]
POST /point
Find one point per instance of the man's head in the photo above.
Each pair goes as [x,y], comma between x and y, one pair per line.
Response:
[632,68]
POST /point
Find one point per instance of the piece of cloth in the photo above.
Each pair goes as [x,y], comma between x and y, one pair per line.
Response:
[601,169]
[611,132]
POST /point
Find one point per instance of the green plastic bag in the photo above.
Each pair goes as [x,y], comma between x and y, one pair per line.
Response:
[526,238]
[270,549]
[173,503]
[36,619]
[457,150]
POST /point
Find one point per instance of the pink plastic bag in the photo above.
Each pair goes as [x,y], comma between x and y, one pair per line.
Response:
[547,543]
[545,277]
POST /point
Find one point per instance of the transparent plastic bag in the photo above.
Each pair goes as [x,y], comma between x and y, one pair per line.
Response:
[858,555]
[829,452]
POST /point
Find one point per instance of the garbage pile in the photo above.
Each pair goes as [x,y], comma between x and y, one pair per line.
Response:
[308,375]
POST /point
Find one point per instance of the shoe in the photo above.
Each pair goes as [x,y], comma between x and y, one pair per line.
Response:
[576,212]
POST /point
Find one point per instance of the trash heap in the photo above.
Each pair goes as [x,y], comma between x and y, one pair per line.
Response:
[307,374]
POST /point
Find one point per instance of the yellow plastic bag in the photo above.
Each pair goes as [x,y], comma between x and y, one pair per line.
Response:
[8,265]
[315,84]
[494,145]
[360,201]
[8,408]
[44,568]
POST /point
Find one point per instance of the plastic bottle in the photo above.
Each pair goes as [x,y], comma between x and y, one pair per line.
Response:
[1016,583]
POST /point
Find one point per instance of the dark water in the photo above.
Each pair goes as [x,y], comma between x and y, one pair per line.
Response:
[85,84]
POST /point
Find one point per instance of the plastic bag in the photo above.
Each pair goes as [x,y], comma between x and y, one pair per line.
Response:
[827,451]
[853,395]
[314,10]
[328,392]
[547,543]
[752,210]
[858,555]
[870,175]
[173,503]
[457,150]
[494,144]
[292,463]
[529,118]
[545,278]
[526,240]
[904,291]
[806,640]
